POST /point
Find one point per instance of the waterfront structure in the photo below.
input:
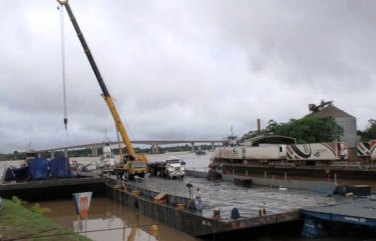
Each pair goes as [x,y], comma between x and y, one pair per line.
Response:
[343,119]
[354,215]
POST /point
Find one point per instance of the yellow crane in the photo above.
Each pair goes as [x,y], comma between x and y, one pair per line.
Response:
[133,164]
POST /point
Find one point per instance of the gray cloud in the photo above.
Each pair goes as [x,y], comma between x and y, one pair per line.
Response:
[181,70]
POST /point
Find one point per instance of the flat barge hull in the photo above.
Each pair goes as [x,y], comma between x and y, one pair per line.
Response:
[300,171]
[188,220]
[53,189]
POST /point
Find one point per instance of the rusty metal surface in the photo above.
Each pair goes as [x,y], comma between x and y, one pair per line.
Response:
[226,196]
[258,206]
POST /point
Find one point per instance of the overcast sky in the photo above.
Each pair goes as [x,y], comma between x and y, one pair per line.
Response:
[181,69]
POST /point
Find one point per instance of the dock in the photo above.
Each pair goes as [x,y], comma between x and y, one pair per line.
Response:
[359,213]
[259,207]
[52,188]
[181,213]
[172,202]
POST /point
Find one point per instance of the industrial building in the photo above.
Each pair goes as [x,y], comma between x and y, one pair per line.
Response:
[347,121]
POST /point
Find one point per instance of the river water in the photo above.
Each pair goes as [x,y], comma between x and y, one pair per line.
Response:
[111,221]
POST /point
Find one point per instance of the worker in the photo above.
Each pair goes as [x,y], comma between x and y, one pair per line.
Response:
[198,200]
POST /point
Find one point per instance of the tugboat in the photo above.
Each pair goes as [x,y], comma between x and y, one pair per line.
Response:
[214,175]
[215,171]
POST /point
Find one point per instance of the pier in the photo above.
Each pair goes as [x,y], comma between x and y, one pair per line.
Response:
[359,213]
[53,188]
[263,206]
[259,207]
[181,213]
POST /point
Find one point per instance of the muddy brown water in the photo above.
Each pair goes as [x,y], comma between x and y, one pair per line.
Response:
[110,221]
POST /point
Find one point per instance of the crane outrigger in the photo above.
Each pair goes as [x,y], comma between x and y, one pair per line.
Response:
[133,164]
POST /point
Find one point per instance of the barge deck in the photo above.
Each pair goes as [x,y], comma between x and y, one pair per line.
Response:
[355,213]
[52,188]
[258,207]
[172,201]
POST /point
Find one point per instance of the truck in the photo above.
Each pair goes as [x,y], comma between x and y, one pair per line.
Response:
[367,150]
[133,164]
[170,168]
[282,154]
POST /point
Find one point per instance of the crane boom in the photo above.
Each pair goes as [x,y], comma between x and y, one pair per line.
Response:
[107,97]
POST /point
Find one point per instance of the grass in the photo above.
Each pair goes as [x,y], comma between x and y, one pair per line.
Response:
[17,222]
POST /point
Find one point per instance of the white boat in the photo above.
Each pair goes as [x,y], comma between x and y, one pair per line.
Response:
[107,162]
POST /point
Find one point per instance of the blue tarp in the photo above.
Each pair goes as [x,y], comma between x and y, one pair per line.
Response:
[14,173]
[9,174]
[21,173]
[38,169]
[60,167]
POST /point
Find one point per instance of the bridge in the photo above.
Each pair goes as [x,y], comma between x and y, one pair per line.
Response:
[153,143]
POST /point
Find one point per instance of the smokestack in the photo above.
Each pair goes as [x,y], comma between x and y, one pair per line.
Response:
[258,124]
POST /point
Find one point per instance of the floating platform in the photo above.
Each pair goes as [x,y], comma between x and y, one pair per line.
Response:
[359,213]
[307,171]
[53,188]
[259,208]
[172,203]
[181,213]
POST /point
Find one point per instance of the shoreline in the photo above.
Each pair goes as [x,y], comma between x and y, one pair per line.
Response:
[18,222]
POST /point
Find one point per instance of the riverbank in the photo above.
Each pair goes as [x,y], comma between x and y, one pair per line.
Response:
[17,222]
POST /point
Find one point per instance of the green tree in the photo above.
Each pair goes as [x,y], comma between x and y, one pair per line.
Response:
[252,134]
[308,129]
[370,132]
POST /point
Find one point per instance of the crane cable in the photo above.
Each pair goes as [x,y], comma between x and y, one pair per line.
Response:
[63,65]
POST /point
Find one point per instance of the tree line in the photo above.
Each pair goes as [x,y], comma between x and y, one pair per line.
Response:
[311,129]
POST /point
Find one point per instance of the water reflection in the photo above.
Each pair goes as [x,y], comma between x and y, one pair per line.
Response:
[111,221]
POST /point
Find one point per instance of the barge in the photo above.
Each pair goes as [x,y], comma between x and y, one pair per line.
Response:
[181,213]
[53,188]
[281,156]
[259,208]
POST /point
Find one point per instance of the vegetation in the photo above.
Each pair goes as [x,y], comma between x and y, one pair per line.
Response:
[17,222]
[370,132]
[18,201]
[308,129]
[3,157]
